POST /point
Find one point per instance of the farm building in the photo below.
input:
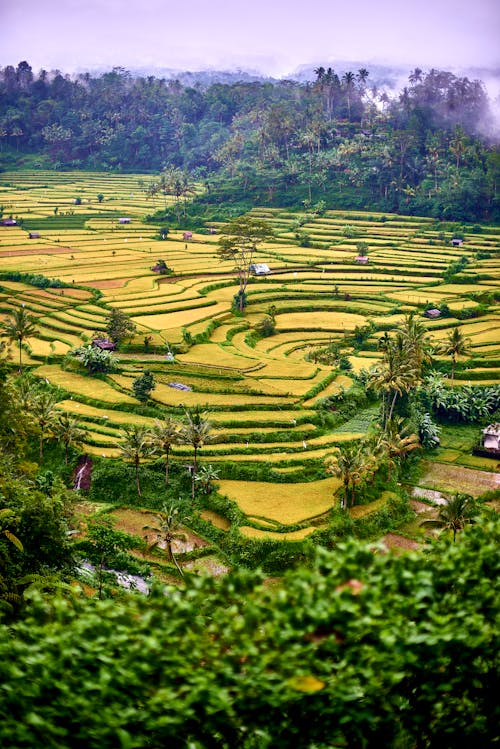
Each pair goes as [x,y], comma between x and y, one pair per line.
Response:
[491,438]
[105,344]
[259,269]
[8,222]
[362,259]
[34,235]
[457,242]
[432,313]
[187,235]
[124,220]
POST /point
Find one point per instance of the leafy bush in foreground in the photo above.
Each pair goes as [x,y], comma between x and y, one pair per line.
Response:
[363,649]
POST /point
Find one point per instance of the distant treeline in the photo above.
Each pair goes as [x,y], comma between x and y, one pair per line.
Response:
[424,150]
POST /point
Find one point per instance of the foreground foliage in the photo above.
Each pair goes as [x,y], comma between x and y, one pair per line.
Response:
[363,649]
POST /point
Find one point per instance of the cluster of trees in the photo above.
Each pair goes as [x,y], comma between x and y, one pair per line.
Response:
[411,397]
[360,649]
[139,442]
[422,150]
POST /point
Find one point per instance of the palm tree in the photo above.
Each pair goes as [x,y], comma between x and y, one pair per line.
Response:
[169,524]
[348,81]
[19,326]
[455,514]
[164,436]
[455,345]
[417,343]
[396,442]
[136,445]
[393,377]
[195,432]
[67,430]
[44,411]
[353,463]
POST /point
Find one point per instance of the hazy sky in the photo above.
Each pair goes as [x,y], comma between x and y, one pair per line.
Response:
[274,36]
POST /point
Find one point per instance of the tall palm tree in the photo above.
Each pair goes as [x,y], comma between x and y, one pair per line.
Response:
[391,378]
[44,411]
[136,445]
[417,343]
[348,81]
[455,345]
[195,432]
[164,435]
[19,326]
[455,514]
[168,530]
[67,430]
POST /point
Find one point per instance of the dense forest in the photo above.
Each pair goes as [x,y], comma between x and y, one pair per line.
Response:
[425,150]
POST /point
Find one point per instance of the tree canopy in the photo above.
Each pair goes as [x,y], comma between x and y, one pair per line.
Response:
[362,649]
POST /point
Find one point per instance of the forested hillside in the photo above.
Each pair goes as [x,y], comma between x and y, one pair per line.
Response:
[425,150]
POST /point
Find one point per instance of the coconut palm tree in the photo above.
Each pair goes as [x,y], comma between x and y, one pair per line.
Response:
[164,435]
[455,514]
[44,412]
[195,432]
[18,327]
[394,376]
[66,429]
[348,80]
[416,343]
[396,442]
[455,345]
[168,530]
[353,463]
[136,445]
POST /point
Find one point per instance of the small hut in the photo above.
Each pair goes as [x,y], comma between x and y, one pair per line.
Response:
[124,220]
[187,235]
[362,259]
[491,439]
[456,242]
[105,344]
[432,314]
[34,235]
[8,222]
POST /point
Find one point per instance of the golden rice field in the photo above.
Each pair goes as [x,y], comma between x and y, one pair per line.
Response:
[251,389]
[283,503]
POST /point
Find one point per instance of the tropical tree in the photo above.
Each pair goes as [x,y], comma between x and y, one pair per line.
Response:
[103,546]
[164,435]
[348,80]
[66,429]
[455,514]
[396,442]
[119,325]
[417,344]
[354,463]
[135,446]
[238,242]
[195,432]
[143,385]
[94,359]
[18,327]
[204,478]
[455,345]
[168,531]
[44,412]
[391,378]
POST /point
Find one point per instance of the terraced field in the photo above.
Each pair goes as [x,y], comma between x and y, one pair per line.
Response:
[260,393]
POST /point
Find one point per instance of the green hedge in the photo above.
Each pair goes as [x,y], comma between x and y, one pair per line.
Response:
[360,650]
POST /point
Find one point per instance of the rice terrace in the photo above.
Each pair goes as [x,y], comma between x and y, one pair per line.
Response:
[279,404]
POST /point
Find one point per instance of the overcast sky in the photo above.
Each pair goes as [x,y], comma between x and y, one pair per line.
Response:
[273,36]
